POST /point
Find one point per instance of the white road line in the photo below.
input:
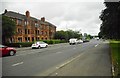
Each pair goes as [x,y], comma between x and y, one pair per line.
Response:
[17,64]
[74,48]
[96,45]
[58,52]
[20,54]
[62,65]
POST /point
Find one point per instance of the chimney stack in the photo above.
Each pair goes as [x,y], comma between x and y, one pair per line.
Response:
[43,19]
[27,14]
[5,11]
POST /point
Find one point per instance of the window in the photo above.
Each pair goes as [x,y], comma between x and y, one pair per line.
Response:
[36,25]
[26,23]
[32,31]
[19,39]
[44,27]
[46,32]
[32,38]
[19,31]
[11,40]
[25,31]
[38,38]
[42,33]
[19,22]
[26,39]
[38,32]
[28,31]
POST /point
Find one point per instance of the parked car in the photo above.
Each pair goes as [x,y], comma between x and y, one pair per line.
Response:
[85,41]
[72,41]
[39,44]
[79,41]
[5,50]
[97,38]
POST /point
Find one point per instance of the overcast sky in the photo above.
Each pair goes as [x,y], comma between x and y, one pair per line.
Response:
[65,14]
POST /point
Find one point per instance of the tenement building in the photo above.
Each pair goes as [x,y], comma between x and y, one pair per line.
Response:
[30,29]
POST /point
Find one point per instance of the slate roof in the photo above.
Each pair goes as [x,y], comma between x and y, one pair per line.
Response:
[21,16]
[17,15]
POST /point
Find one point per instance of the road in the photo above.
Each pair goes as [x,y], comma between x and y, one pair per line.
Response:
[87,59]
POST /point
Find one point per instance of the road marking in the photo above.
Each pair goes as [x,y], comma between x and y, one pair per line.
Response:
[56,74]
[96,45]
[74,48]
[20,55]
[62,65]
[58,52]
[17,64]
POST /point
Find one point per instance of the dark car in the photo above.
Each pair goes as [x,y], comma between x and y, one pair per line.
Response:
[4,50]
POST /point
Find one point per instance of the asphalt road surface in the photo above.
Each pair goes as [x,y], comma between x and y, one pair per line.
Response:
[87,59]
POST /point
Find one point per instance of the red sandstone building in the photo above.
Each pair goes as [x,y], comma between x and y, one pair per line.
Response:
[30,29]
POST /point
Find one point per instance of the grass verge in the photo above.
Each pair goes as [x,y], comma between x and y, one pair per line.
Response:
[115,53]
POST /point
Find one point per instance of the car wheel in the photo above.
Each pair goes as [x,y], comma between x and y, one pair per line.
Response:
[11,53]
[39,47]
[46,46]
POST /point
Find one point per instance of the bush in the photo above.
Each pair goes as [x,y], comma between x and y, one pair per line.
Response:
[53,41]
[25,44]
[28,44]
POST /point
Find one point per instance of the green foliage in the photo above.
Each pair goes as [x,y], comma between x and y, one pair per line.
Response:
[66,35]
[8,28]
[22,44]
[110,27]
[89,37]
[53,41]
[115,48]
[28,44]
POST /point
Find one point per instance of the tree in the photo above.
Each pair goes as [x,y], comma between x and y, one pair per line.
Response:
[60,35]
[66,35]
[89,36]
[110,16]
[8,28]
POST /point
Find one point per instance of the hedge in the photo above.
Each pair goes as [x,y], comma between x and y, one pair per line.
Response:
[28,44]
[53,41]
[25,44]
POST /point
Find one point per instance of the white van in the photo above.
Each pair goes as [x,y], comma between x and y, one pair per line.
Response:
[72,41]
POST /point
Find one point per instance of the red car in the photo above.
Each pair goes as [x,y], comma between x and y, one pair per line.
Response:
[4,50]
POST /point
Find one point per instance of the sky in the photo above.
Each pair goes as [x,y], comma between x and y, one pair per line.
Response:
[77,15]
